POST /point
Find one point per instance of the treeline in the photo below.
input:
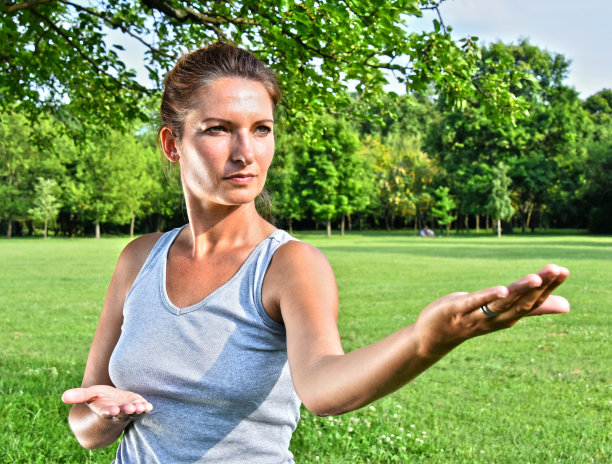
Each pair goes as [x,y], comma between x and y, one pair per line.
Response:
[400,162]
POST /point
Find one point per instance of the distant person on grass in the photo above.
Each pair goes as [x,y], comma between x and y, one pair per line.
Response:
[427,232]
[212,334]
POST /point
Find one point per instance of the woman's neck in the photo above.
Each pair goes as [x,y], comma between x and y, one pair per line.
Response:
[221,227]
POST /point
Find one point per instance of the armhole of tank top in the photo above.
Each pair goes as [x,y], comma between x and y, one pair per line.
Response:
[263,314]
[171,235]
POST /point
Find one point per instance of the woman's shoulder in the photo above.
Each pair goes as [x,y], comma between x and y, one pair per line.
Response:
[297,270]
[136,253]
[298,258]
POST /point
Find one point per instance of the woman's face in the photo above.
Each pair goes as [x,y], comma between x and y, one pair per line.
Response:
[228,143]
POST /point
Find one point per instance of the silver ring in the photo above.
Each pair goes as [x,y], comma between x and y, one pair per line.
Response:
[487,312]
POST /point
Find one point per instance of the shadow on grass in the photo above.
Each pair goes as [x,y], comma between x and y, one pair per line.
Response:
[516,252]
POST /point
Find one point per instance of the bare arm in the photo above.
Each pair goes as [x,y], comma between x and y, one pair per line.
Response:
[100,411]
[301,286]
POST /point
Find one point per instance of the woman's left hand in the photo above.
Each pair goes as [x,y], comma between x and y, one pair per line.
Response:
[454,318]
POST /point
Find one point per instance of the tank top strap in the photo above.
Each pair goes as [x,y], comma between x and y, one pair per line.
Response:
[158,252]
[271,245]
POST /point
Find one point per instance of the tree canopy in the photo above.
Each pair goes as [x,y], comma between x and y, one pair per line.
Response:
[57,53]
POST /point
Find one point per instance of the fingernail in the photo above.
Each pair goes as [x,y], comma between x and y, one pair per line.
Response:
[502,292]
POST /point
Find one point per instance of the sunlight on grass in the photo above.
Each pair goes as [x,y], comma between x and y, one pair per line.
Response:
[538,393]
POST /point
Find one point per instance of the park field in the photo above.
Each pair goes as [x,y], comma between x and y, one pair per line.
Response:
[537,393]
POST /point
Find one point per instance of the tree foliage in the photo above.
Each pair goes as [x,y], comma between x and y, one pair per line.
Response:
[46,205]
[407,161]
[541,148]
[443,207]
[500,205]
[59,54]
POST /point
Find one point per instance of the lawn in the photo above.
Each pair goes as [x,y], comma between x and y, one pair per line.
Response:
[537,393]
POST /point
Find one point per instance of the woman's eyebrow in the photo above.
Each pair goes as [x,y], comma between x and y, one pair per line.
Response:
[227,121]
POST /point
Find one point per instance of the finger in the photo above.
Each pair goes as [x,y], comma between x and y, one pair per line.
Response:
[472,302]
[552,305]
[551,277]
[561,276]
[137,407]
[143,407]
[515,290]
[78,395]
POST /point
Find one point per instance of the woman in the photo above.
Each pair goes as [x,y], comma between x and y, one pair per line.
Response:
[212,334]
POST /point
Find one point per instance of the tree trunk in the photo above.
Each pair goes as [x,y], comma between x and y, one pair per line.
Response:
[467,223]
[291,225]
[387,223]
[477,223]
[529,213]
[9,228]
[499,228]
[97,234]
[328,227]
[45,229]
[132,226]
[416,228]
[350,222]
[160,223]
[342,226]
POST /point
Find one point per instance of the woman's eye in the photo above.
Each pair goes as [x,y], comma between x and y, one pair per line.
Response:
[263,130]
[215,130]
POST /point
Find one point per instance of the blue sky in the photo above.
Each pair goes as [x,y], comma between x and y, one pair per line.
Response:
[581,30]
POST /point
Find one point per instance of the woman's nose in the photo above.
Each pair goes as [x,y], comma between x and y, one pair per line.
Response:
[242,148]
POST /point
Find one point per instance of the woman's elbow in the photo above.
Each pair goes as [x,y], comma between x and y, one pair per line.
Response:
[324,407]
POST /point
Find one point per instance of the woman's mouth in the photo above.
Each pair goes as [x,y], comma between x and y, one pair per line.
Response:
[240,178]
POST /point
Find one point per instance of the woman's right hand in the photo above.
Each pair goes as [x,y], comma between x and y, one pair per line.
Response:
[109,402]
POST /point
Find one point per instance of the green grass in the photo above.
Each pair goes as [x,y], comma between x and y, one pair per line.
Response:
[537,393]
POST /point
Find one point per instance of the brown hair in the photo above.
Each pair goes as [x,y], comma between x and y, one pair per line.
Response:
[198,70]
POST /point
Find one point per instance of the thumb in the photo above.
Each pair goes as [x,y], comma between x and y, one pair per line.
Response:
[78,395]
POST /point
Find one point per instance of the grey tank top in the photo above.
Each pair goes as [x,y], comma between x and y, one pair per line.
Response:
[216,372]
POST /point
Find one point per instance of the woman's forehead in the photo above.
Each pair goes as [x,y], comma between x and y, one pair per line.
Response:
[234,95]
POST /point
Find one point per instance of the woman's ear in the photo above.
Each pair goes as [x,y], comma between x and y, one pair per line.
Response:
[168,144]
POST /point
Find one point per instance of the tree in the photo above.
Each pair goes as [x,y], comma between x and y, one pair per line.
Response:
[28,150]
[283,180]
[500,205]
[596,191]
[443,208]
[17,157]
[356,177]
[59,55]
[46,206]
[112,180]
[541,148]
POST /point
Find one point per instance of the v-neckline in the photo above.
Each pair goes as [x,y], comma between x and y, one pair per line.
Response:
[198,305]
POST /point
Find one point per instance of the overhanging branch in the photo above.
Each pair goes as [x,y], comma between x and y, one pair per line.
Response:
[189,13]
[121,27]
[10,9]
